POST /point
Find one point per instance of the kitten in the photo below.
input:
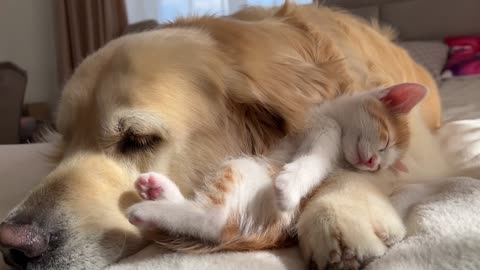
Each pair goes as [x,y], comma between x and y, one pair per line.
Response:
[367,132]
[244,209]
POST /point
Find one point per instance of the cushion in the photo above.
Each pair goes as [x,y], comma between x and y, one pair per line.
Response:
[430,54]
[460,96]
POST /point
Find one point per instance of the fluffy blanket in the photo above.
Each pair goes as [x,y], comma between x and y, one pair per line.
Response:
[443,220]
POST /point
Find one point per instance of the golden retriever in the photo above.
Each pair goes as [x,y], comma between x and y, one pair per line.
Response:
[180,100]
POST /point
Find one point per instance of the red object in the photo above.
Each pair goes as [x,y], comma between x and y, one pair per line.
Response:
[464,58]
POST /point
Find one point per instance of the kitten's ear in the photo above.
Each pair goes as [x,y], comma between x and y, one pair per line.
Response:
[401,98]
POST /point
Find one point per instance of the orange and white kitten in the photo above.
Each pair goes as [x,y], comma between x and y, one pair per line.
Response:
[244,208]
[371,130]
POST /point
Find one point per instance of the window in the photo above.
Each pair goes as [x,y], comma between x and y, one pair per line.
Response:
[167,10]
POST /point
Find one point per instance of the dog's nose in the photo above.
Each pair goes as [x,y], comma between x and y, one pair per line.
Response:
[22,242]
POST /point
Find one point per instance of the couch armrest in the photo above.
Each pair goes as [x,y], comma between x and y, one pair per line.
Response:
[21,167]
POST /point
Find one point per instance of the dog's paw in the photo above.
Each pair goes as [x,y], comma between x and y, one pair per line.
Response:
[348,236]
[153,186]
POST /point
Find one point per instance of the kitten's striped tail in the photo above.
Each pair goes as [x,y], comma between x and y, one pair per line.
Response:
[190,244]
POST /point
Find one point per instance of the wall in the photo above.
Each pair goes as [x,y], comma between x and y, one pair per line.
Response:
[27,39]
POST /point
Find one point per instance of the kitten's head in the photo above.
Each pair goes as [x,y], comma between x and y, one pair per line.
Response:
[376,132]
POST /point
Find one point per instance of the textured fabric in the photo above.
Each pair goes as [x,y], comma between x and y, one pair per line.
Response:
[152,258]
[443,231]
[461,98]
[369,13]
[430,54]
[357,3]
[462,139]
[422,19]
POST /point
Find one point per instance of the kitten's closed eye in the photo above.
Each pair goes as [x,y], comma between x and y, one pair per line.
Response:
[386,145]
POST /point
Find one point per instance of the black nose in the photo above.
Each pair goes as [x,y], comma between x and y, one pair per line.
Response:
[21,243]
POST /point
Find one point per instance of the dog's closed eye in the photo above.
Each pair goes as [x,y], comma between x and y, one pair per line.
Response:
[134,142]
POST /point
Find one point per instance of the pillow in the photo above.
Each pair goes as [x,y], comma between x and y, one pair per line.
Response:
[430,54]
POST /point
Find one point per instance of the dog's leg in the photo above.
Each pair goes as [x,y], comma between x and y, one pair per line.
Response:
[348,222]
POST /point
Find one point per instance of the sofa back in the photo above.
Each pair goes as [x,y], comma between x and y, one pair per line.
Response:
[419,19]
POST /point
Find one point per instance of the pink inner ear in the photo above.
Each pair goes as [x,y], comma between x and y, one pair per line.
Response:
[403,97]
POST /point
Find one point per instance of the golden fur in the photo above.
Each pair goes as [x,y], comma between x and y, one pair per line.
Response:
[205,89]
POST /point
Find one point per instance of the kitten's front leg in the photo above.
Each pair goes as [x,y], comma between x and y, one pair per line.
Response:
[296,179]
[348,222]
[315,158]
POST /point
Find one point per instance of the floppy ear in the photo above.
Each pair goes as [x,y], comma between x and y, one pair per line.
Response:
[401,98]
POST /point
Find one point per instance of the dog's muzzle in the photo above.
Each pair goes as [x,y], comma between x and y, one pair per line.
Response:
[22,243]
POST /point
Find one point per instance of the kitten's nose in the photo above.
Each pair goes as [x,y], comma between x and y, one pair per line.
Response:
[371,162]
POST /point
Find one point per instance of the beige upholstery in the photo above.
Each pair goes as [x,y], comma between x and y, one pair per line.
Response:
[21,167]
[420,19]
[461,98]
[431,54]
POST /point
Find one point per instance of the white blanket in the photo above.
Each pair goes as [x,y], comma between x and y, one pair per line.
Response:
[443,221]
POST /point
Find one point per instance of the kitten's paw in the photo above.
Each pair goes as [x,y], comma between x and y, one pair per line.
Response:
[143,214]
[153,186]
[348,236]
[286,192]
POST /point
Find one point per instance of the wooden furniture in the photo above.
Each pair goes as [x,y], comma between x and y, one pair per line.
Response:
[13,81]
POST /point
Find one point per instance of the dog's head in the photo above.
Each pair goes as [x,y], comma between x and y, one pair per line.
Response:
[176,101]
[146,102]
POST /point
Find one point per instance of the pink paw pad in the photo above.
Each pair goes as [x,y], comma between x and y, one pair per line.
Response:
[153,186]
[149,187]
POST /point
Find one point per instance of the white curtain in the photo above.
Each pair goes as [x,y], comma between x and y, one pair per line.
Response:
[139,10]
[165,10]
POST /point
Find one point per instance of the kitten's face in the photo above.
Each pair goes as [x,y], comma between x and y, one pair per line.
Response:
[376,133]
[376,139]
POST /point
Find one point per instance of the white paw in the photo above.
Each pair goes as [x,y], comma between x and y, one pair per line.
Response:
[153,186]
[144,214]
[286,193]
[348,236]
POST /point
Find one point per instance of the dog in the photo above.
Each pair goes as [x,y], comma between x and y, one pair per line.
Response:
[180,100]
